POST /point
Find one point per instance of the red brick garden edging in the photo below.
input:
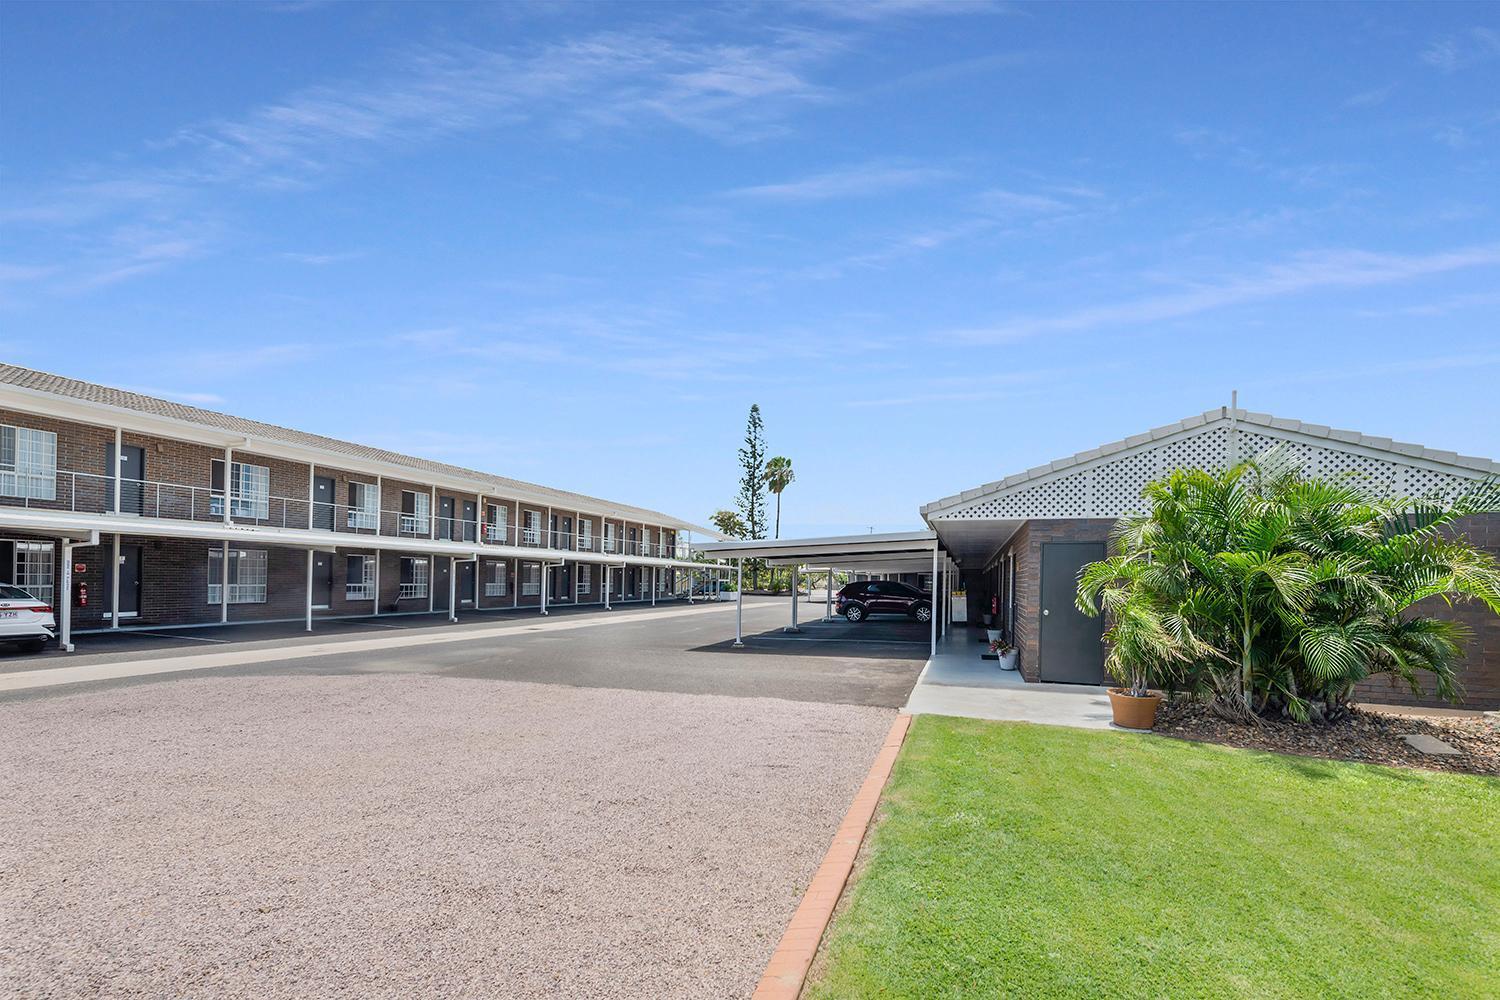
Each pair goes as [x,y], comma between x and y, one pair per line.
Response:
[787,970]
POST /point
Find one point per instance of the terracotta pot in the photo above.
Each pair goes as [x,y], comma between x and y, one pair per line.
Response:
[1132,712]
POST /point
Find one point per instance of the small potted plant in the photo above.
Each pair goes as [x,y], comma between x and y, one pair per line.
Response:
[1005,654]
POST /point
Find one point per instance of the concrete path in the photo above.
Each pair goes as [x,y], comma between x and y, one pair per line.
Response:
[957,682]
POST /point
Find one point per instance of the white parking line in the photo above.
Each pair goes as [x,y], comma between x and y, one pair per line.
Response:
[189,638]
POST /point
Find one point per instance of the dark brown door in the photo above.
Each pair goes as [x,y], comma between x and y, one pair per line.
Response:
[445,518]
[466,592]
[440,582]
[1071,646]
[132,464]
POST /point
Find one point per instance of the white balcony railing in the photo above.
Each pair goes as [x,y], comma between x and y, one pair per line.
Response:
[91,493]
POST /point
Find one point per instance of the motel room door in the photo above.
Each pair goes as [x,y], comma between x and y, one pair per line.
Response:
[466,591]
[130,581]
[1071,646]
[322,588]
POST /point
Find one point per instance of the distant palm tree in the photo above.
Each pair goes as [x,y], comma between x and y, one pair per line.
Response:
[777,477]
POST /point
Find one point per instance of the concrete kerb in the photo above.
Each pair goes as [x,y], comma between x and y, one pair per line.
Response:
[786,972]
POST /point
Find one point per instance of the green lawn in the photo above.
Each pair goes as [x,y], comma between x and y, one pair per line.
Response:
[1033,861]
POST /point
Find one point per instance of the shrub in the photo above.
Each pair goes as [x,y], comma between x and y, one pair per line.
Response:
[1273,592]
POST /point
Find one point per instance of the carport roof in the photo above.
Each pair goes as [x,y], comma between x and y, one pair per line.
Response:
[899,551]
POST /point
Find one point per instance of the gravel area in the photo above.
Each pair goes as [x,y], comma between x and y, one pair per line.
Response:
[411,836]
[1365,736]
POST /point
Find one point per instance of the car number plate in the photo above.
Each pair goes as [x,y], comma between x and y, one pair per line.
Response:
[10,614]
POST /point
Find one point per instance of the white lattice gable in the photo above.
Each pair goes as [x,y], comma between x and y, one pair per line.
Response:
[1107,481]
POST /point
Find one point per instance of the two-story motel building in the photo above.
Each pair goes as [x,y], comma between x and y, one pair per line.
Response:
[151,513]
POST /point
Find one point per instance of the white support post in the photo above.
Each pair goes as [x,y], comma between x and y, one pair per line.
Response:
[309,588]
[690,586]
[114,583]
[224,572]
[431,580]
[64,600]
[544,587]
[606,574]
[514,568]
[793,627]
[828,598]
[228,486]
[432,516]
[453,586]
[739,603]
[932,619]
[119,459]
[378,554]
[653,586]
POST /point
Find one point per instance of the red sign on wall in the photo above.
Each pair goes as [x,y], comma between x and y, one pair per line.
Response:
[80,567]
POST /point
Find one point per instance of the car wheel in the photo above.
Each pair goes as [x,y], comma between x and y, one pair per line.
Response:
[923,613]
[34,645]
[854,613]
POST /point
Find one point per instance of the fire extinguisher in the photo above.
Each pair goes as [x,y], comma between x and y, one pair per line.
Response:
[83,595]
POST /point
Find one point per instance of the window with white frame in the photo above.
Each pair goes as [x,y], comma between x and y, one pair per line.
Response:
[249,490]
[645,541]
[585,580]
[533,528]
[585,535]
[414,574]
[531,579]
[497,524]
[416,513]
[247,576]
[359,578]
[28,463]
[364,506]
[497,581]
[609,537]
[33,569]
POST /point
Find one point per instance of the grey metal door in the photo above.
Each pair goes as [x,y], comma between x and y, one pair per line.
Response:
[130,581]
[440,584]
[322,500]
[470,524]
[466,589]
[1071,649]
[132,478]
[445,518]
[322,589]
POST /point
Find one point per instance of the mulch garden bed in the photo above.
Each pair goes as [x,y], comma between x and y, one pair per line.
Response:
[1364,736]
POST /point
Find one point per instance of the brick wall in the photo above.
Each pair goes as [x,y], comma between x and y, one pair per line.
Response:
[1479,673]
[1027,544]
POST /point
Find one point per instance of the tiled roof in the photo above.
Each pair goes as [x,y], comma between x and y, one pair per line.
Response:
[1335,437]
[58,385]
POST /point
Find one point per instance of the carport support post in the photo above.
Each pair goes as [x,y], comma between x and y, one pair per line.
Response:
[453,587]
[309,588]
[932,618]
[223,582]
[653,586]
[794,627]
[739,602]
[828,597]
[544,587]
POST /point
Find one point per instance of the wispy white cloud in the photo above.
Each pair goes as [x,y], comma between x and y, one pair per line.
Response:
[322,259]
[1372,98]
[1304,273]
[880,10]
[1463,49]
[848,182]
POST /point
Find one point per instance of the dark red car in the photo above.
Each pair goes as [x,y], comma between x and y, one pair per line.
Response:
[858,601]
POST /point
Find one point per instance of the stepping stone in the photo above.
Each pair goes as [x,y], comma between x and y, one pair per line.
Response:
[1423,743]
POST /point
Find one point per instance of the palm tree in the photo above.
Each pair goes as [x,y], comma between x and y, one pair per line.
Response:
[1275,592]
[777,477]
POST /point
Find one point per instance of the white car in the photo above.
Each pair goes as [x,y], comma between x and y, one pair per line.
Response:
[25,619]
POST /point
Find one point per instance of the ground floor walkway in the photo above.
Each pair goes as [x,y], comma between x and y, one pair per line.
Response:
[958,682]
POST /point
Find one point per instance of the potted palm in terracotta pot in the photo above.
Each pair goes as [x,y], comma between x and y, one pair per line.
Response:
[1141,648]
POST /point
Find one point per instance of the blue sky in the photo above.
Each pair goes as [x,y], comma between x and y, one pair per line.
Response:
[937,243]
